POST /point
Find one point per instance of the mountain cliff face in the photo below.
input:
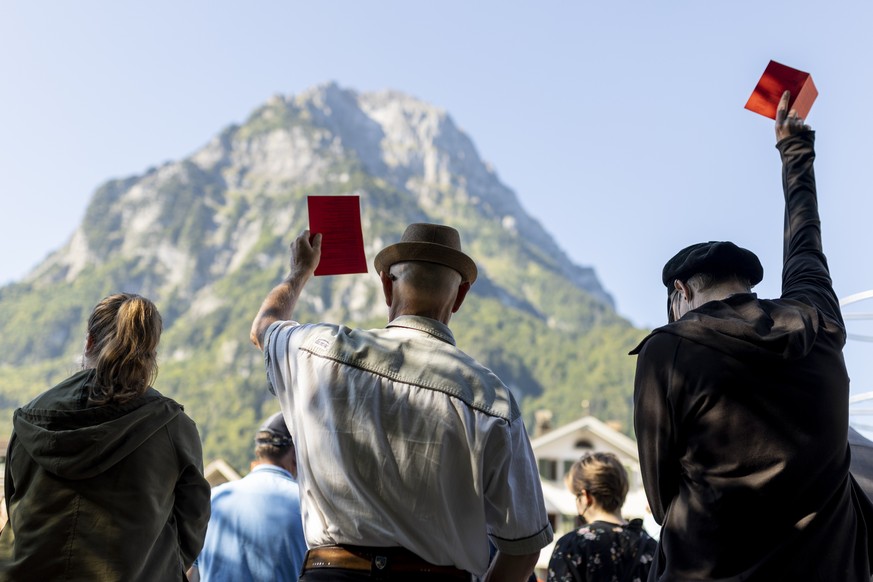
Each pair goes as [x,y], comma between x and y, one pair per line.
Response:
[206,238]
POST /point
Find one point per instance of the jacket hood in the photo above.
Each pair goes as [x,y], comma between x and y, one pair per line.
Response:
[743,326]
[73,441]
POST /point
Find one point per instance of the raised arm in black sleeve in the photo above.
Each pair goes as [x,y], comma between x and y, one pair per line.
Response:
[805,275]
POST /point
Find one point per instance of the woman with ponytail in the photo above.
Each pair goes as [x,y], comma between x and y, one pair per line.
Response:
[104,475]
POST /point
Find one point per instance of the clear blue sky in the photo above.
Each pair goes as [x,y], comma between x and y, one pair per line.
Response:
[620,125]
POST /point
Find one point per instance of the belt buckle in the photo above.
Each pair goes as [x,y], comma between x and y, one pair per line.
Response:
[379,567]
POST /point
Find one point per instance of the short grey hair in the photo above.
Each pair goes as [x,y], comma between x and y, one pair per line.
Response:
[701,282]
[426,276]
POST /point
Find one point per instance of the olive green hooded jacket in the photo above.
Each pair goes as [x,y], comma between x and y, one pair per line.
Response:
[112,492]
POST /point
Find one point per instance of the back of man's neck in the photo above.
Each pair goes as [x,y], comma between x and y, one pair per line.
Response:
[420,313]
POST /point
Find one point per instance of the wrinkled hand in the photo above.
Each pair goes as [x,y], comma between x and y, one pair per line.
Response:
[788,122]
[305,254]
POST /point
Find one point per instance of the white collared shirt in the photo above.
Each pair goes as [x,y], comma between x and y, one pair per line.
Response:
[404,440]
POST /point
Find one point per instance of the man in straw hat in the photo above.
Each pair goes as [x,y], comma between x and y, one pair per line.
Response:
[411,454]
[741,408]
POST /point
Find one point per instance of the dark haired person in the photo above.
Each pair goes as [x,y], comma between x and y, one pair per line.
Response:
[606,547]
[741,408]
[256,532]
[412,455]
[104,477]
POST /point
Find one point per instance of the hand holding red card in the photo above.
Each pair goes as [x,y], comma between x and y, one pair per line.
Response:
[777,79]
[338,220]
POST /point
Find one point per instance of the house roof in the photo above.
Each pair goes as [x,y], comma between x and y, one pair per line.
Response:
[558,499]
[218,472]
[590,424]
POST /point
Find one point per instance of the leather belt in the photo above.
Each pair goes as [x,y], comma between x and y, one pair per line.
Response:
[377,561]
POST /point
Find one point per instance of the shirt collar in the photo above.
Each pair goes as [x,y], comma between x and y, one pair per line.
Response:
[270,468]
[429,326]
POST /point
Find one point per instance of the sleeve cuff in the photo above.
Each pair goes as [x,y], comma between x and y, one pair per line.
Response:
[803,138]
[528,545]
[270,354]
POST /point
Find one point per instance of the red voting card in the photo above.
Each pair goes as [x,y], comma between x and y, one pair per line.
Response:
[776,80]
[338,220]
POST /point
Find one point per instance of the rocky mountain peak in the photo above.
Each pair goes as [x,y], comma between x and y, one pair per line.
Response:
[191,220]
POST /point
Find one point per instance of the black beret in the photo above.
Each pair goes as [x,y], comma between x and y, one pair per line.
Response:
[713,258]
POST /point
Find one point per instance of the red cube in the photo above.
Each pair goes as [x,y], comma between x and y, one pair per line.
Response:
[777,79]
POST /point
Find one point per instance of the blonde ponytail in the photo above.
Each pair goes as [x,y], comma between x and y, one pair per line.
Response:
[124,331]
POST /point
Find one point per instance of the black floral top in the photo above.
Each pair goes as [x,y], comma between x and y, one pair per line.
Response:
[603,552]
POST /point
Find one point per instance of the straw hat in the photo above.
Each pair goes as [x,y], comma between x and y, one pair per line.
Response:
[432,243]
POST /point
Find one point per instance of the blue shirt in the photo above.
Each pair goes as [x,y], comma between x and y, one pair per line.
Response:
[255,532]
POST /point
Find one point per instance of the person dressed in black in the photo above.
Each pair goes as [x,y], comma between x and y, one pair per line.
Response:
[606,548]
[741,408]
